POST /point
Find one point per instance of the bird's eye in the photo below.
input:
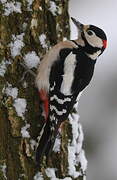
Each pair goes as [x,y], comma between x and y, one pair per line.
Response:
[90,33]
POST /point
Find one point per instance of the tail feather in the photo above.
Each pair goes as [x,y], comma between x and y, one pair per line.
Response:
[43,143]
[50,146]
[52,139]
[46,143]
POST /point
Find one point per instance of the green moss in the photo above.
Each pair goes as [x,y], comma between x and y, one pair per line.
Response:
[4,31]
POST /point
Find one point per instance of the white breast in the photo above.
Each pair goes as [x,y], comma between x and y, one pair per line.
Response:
[68,77]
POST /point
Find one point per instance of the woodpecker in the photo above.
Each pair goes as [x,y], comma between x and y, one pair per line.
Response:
[63,73]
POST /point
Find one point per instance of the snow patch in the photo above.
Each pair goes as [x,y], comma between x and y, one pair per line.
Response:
[59,10]
[3,1]
[42,39]
[50,172]
[33,144]
[16,44]
[82,160]
[34,23]
[20,106]
[10,91]
[29,4]
[57,144]
[53,8]
[25,84]
[80,139]
[24,26]
[3,169]
[31,59]
[72,162]
[11,7]
[24,131]
[3,67]
[76,154]
[38,176]
[19,103]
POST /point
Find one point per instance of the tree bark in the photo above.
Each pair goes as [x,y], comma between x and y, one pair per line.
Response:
[28,29]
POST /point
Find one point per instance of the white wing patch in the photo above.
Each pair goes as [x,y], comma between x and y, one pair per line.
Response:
[42,79]
[68,77]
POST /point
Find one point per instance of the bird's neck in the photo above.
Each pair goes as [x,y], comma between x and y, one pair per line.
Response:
[80,42]
[91,52]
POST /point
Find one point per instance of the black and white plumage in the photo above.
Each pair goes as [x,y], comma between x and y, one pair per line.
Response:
[63,73]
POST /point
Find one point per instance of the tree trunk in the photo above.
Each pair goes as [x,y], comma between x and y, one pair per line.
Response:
[28,29]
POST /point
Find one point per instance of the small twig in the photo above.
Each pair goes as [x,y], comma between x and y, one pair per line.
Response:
[28,70]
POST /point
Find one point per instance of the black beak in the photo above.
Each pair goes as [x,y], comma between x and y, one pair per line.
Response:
[77,23]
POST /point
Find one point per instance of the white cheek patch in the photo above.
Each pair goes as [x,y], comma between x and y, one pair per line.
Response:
[94,40]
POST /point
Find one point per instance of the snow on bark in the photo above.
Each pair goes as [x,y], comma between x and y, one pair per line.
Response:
[3,67]
[20,106]
[33,144]
[53,8]
[3,169]
[24,131]
[38,176]
[29,4]
[57,145]
[42,39]
[76,154]
[50,172]
[10,91]
[19,103]
[31,60]
[17,44]
[10,7]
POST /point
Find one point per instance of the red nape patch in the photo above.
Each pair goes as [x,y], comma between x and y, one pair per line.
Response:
[104,43]
[44,97]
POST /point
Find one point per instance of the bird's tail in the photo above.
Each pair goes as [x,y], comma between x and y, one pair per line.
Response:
[46,143]
[43,142]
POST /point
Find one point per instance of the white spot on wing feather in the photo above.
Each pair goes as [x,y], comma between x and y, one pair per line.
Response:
[52,88]
[56,110]
[60,101]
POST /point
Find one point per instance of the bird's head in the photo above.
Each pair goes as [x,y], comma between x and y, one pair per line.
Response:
[94,40]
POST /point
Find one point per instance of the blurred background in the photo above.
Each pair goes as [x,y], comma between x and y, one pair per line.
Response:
[98,104]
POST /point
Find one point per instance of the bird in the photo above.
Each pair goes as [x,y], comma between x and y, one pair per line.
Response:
[63,73]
